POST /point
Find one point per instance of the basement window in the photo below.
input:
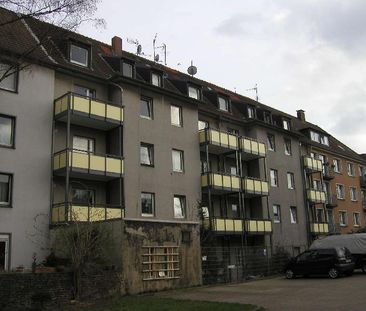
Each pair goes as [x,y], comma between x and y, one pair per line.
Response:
[79,55]
[160,263]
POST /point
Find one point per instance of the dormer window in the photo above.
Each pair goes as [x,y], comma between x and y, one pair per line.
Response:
[324,140]
[267,117]
[319,138]
[79,55]
[193,92]
[286,124]
[127,69]
[8,77]
[155,79]
[251,112]
[223,103]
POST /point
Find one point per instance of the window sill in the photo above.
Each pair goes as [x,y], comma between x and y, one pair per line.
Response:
[7,147]
[147,165]
[146,118]
[343,225]
[6,206]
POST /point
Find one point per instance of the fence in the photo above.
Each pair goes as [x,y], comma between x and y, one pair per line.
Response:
[236,264]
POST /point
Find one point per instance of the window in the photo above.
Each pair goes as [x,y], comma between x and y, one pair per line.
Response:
[337,165]
[155,79]
[343,218]
[233,170]
[179,206]
[317,185]
[314,136]
[83,144]
[147,154]
[233,131]
[319,215]
[202,125]
[83,196]
[340,191]
[324,140]
[287,145]
[286,124]
[186,236]
[293,214]
[5,189]
[274,178]
[361,170]
[290,181]
[251,112]
[223,103]
[193,92]
[350,169]
[79,55]
[127,69]
[267,117]
[234,210]
[146,108]
[177,158]
[84,91]
[356,219]
[271,142]
[8,77]
[147,204]
[204,166]
[353,193]
[7,129]
[276,213]
[176,115]
[4,252]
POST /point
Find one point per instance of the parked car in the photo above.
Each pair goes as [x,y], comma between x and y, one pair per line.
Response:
[355,243]
[327,261]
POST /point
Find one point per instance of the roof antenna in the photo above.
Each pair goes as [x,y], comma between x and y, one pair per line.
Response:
[163,47]
[255,88]
[138,45]
[192,70]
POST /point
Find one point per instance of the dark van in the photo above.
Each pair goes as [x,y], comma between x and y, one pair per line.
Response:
[328,261]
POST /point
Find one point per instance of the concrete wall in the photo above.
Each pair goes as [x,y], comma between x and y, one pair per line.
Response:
[30,164]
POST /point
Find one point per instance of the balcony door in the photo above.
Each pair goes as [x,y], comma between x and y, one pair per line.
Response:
[83,144]
[4,252]
[83,196]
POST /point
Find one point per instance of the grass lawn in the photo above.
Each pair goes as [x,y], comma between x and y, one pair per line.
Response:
[151,303]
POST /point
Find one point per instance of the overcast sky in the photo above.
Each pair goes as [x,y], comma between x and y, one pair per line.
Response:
[308,54]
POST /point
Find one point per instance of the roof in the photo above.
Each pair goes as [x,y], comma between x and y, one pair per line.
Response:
[45,43]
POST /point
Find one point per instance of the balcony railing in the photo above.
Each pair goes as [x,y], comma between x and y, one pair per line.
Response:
[258,226]
[220,182]
[331,200]
[222,141]
[90,163]
[227,225]
[363,181]
[87,107]
[316,196]
[70,212]
[312,165]
[254,187]
[251,148]
[328,172]
[319,228]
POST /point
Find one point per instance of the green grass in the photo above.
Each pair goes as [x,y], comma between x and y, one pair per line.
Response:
[150,303]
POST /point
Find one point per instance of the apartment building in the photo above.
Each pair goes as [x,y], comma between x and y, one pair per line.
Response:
[89,132]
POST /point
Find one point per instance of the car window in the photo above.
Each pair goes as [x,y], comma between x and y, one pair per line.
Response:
[304,256]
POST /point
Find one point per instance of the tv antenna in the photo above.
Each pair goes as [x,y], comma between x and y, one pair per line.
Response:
[137,44]
[255,88]
[162,47]
[192,70]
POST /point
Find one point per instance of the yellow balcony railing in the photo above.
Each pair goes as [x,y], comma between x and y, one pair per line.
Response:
[312,164]
[221,182]
[254,187]
[218,138]
[319,228]
[316,196]
[227,225]
[258,226]
[89,107]
[252,147]
[68,212]
[87,162]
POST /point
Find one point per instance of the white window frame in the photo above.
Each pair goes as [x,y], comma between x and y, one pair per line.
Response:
[315,136]
[273,173]
[337,165]
[356,220]
[350,169]
[287,152]
[271,148]
[150,154]
[173,110]
[202,125]
[5,131]
[90,142]
[341,223]
[182,205]
[286,124]
[293,216]
[12,78]
[10,190]
[149,106]
[223,103]
[251,112]
[276,208]
[338,187]
[86,64]
[290,180]
[88,91]
[156,79]
[193,92]
[179,153]
[152,214]
[129,66]
[353,194]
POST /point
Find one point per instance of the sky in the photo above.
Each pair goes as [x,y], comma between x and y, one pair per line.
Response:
[308,54]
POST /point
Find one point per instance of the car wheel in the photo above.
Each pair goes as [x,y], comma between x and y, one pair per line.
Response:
[333,273]
[289,274]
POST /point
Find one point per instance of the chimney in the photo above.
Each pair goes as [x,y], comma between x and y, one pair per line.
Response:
[117,46]
[301,115]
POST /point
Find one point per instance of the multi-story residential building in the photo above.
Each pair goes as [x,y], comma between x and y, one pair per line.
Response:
[89,132]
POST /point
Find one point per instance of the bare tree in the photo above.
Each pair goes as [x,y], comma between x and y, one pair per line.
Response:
[68,14]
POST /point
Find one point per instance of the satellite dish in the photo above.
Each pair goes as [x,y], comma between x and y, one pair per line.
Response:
[192,70]
[139,49]
[156,58]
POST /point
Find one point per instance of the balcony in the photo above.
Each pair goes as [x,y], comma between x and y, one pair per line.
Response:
[87,111]
[328,172]
[312,165]
[87,165]
[331,201]
[363,181]
[319,228]
[218,142]
[68,212]
[251,148]
[258,226]
[220,183]
[316,196]
[253,187]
